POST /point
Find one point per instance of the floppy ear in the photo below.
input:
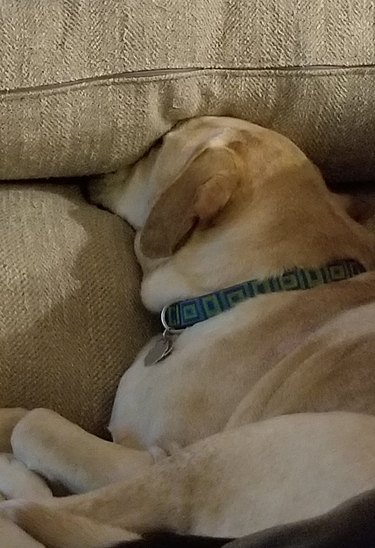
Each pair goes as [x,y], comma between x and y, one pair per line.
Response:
[196,196]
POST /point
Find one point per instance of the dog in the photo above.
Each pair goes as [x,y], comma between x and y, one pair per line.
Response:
[348,525]
[255,407]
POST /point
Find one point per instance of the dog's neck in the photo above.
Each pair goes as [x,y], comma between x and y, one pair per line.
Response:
[264,240]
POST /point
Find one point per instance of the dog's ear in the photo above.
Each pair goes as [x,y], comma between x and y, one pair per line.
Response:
[195,197]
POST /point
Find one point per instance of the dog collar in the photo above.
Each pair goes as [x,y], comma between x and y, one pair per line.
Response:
[182,314]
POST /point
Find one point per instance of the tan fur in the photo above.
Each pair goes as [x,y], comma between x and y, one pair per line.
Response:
[196,196]
[220,202]
[12,536]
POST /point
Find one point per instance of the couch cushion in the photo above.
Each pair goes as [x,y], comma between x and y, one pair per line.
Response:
[70,316]
[86,86]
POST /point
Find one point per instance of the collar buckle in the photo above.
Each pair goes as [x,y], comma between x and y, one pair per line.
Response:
[167,328]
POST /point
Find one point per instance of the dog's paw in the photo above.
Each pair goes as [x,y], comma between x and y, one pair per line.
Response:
[16,481]
[36,441]
[9,508]
[60,529]
[13,536]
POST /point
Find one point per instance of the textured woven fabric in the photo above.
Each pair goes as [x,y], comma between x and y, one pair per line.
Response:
[70,316]
[87,85]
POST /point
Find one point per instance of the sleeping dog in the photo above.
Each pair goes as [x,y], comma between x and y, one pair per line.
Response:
[349,525]
[254,406]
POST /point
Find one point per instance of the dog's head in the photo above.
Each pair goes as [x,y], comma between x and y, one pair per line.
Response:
[213,191]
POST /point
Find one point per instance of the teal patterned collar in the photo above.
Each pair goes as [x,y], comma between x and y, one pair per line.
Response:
[183,314]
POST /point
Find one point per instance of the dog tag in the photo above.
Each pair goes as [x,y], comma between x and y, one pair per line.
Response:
[161,349]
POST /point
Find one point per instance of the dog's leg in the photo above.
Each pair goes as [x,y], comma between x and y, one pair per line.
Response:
[165,497]
[147,503]
[58,529]
[16,481]
[62,452]
[12,536]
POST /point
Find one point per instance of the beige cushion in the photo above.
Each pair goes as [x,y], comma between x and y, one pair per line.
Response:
[70,317]
[87,85]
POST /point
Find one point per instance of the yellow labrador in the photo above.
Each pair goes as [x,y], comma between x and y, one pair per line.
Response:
[255,408]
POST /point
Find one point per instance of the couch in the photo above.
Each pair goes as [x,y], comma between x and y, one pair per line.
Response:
[86,87]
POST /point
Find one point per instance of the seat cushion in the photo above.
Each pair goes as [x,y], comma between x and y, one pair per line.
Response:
[86,86]
[71,321]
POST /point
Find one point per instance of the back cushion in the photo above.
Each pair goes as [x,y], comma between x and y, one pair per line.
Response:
[86,86]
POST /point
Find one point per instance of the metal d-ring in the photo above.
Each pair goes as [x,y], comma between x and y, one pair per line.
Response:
[167,328]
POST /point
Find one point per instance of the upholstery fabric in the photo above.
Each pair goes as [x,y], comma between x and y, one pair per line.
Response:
[87,85]
[71,320]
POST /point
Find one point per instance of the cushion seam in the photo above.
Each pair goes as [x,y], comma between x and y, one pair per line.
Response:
[322,71]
